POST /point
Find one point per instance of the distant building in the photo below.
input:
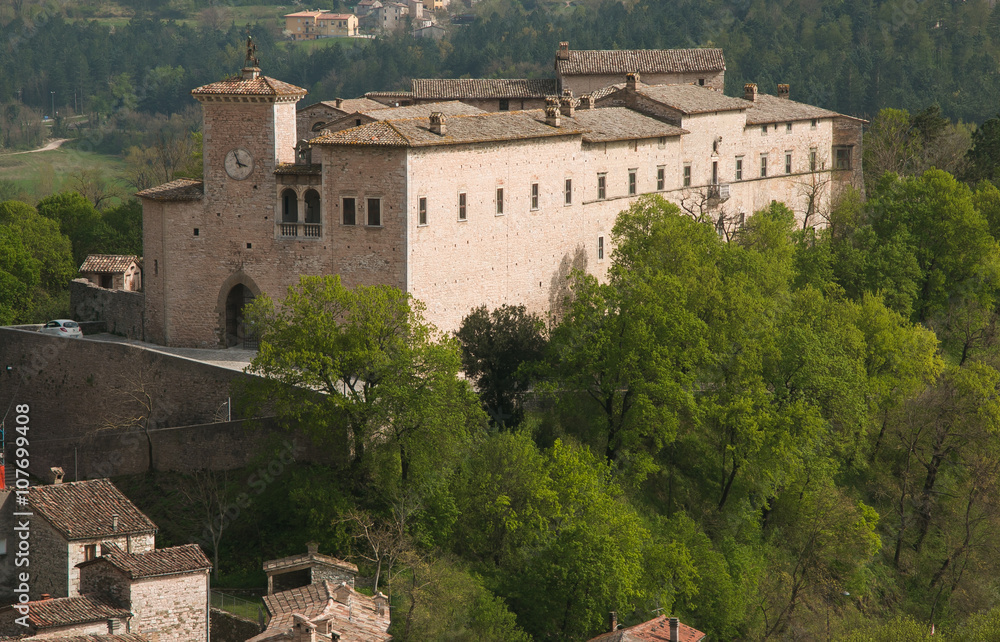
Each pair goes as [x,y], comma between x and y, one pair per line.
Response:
[65,616]
[325,611]
[422,110]
[315,117]
[113,271]
[583,72]
[659,629]
[434,31]
[310,25]
[488,94]
[307,568]
[366,7]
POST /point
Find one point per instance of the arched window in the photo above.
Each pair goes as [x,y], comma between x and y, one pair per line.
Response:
[289,206]
[312,206]
[318,125]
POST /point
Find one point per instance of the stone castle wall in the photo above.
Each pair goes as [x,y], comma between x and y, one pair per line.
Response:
[121,310]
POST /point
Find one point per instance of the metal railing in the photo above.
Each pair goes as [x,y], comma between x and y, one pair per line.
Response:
[251,610]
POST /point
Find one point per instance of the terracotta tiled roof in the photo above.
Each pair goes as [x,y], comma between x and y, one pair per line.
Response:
[108,263]
[356,618]
[649,61]
[63,611]
[272,566]
[291,169]
[86,509]
[620,123]
[347,105]
[390,94]
[163,561]
[117,637]
[692,99]
[463,88]
[182,189]
[597,94]
[655,630]
[771,109]
[260,86]
[303,14]
[448,108]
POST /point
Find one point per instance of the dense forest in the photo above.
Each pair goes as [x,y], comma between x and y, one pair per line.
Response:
[786,434]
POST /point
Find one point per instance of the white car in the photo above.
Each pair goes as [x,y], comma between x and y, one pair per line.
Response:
[63,328]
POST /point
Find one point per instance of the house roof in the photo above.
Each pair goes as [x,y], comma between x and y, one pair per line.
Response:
[466,88]
[303,14]
[87,509]
[115,637]
[163,561]
[692,99]
[353,615]
[291,169]
[182,189]
[346,105]
[650,61]
[596,125]
[655,630]
[259,86]
[108,263]
[64,611]
[307,559]
[771,109]
[448,108]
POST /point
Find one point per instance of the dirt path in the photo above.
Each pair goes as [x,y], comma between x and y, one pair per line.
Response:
[52,144]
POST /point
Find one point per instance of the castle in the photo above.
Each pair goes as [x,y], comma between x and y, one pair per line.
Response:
[489,205]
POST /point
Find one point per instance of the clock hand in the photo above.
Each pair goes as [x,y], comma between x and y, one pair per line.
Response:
[238,163]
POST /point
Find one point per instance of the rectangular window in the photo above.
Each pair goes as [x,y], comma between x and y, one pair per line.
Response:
[788,127]
[350,211]
[812,159]
[504,104]
[600,248]
[763,130]
[842,157]
[374,212]
[813,124]
[687,174]
[423,211]
[788,162]
[602,186]
[534,196]
[568,189]
[499,201]
[461,206]
[632,181]
[89,552]
[661,178]
[661,142]
[739,168]
[763,165]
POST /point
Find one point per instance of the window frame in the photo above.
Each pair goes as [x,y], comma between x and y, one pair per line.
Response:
[763,129]
[602,186]
[763,165]
[534,197]
[788,162]
[661,178]
[568,192]
[739,168]
[600,248]
[463,207]
[813,159]
[422,211]
[368,211]
[499,201]
[343,210]
[686,175]
[633,181]
[842,152]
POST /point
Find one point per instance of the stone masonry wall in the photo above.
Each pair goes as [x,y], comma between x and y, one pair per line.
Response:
[173,608]
[227,627]
[585,84]
[121,310]
[49,562]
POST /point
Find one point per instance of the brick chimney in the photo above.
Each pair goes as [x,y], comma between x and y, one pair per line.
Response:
[337,102]
[437,123]
[566,103]
[613,620]
[586,101]
[552,112]
[750,91]
[381,604]
[563,53]
[631,80]
[783,91]
[57,474]
[114,523]
[675,625]
[343,593]
[302,630]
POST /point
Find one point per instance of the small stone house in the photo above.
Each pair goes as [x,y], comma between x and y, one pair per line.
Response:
[314,118]
[659,629]
[326,612]
[72,522]
[113,271]
[65,616]
[310,567]
[166,590]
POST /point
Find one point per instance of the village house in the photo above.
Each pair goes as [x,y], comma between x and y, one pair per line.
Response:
[362,117]
[469,209]
[659,629]
[314,118]
[488,94]
[113,271]
[307,568]
[312,25]
[325,612]
[51,617]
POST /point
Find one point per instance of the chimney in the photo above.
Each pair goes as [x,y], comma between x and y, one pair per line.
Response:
[57,474]
[343,593]
[563,53]
[437,123]
[337,102]
[586,101]
[613,620]
[312,548]
[566,103]
[783,91]
[45,596]
[251,73]
[631,80]
[750,91]
[381,604]
[552,112]
[675,624]
[303,630]
[114,522]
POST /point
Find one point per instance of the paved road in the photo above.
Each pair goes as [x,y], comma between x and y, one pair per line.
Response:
[232,358]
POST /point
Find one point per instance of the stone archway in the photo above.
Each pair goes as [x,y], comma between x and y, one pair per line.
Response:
[237,291]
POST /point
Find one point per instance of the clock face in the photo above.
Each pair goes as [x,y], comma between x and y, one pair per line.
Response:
[239,163]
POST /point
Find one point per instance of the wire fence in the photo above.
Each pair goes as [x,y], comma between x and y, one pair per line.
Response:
[249,609]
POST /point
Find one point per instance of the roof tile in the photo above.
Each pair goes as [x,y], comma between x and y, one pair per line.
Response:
[466,88]
[644,61]
[260,86]
[86,509]
[182,189]
[108,263]
[163,561]
[771,109]
[655,630]
[63,611]
[692,99]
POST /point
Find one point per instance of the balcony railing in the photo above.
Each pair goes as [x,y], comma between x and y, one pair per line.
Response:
[297,230]
[718,192]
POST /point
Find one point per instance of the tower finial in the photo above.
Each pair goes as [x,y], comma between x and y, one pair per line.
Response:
[251,60]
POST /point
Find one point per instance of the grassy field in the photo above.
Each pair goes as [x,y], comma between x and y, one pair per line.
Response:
[36,175]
